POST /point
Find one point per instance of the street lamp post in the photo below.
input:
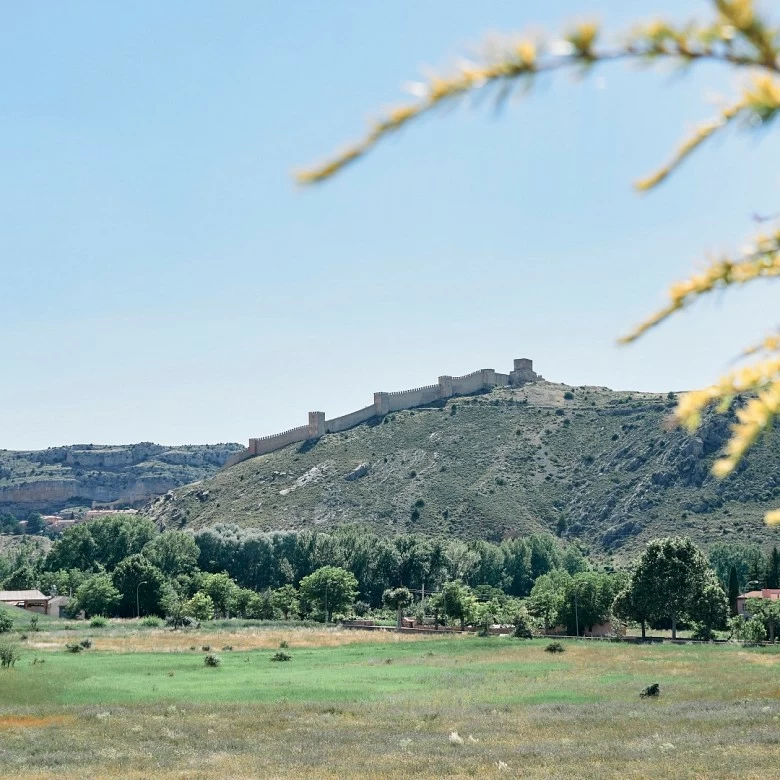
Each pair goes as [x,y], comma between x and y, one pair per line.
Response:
[137,602]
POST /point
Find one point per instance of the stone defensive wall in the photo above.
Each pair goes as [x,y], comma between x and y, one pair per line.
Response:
[384,403]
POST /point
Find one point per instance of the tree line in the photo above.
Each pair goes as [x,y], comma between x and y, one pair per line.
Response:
[125,566]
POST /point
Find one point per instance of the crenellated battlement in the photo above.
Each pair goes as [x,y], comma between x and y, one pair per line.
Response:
[384,403]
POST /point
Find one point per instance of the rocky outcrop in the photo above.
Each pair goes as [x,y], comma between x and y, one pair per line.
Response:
[50,480]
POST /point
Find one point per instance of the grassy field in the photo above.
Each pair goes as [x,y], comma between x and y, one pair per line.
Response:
[142,703]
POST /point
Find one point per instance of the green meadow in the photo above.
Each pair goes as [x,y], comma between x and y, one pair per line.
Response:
[350,704]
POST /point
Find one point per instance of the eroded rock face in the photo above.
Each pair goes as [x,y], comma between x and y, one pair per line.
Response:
[48,480]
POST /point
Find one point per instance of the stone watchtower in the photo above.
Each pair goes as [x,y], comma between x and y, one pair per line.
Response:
[523,372]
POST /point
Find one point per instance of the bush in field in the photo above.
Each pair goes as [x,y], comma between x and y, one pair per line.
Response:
[152,621]
[6,623]
[33,623]
[98,622]
[524,623]
[554,647]
[281,656]
[753,632]
[212,660]
[74,647]
[9,655]
[86,643]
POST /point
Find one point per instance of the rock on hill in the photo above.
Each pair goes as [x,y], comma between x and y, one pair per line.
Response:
[53,479]
[585,462]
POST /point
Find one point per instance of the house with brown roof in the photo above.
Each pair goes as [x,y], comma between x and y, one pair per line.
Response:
[32,600]
[768,594]
[35,601]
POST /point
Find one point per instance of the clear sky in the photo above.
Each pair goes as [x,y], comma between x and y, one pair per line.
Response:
[162,279]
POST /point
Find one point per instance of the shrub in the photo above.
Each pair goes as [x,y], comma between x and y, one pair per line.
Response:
[73,647]
[98,622]
[524,624]
[227,648]
[281,656]
[9,655]
[34,623]
[6,623]
[559,412]
[651,690]
[284,644]
[152,621]
[212,660]
[753,632]
[412,474]
[554,647]
[86,643]
[205,648]
[420,503]
[568,395]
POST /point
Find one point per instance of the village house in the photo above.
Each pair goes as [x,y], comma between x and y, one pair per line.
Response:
[35,601]
[768,594]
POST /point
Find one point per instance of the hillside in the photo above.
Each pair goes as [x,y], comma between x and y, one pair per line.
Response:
[587,462]
[59,477]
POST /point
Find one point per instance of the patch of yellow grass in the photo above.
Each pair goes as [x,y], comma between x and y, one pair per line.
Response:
[249,638]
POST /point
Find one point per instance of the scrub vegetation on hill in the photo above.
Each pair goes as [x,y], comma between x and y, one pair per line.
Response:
[589,464]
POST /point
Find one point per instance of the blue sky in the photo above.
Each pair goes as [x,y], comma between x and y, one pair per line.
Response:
[161,278]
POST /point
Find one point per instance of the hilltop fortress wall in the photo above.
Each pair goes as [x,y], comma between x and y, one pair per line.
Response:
[384,403]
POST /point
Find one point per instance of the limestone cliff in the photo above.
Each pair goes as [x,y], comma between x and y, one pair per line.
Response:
[50,480]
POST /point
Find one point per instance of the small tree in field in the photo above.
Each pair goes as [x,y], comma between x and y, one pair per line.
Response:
[329,589]
[6,623]
[397,599]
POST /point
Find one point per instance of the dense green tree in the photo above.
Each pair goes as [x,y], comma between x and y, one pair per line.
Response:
[545,554]
[97,595]
[63,582]
[285,599]
[222,590]
[572,560]
[6,623]
[587,600]
[767,611]
[670,573]
[398,599]
[75,549]
[457,602]
[141,586]
[173,553]
[200,606]
[329,589]
[34,524]
[733,590]
[709,607]
[744,557]
[548,597]
[517,567]
[102,542]
[773,569]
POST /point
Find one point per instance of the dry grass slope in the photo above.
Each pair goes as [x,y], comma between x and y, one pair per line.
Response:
[599,464]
